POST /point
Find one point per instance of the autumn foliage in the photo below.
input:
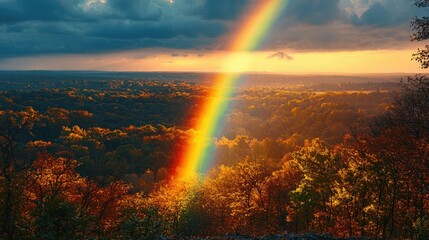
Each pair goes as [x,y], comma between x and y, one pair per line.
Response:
[288,161]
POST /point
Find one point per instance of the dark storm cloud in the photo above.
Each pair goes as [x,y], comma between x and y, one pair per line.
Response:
[315,12]
[223,9]
[29,27]
[76,10]
[321,25]
[387,13]
[377,14]
[45,10]
[156,30]
[339,36]
[132,9]
[84,26]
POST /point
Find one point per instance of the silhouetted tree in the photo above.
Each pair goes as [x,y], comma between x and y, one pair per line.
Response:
[421,32]
[15,128]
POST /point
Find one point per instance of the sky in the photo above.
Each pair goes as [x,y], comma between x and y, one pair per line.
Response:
[311,36]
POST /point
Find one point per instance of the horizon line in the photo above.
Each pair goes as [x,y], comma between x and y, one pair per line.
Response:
[214,72]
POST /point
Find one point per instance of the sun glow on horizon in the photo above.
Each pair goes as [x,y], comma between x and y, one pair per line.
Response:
[161,60]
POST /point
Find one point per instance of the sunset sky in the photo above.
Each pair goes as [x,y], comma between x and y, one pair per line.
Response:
[311,36]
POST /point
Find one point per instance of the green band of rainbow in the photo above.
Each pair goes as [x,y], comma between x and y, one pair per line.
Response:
[256,24]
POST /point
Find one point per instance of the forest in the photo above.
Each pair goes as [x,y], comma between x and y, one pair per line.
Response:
[96,161]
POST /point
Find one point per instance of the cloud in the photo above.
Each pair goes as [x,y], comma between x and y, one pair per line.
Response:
[315,12]
[386,13]
[179,55]
[155,30]
[377,15]
[281,55]
[30,27]
[339,36]
[223,9]
[344,25]
[43,10]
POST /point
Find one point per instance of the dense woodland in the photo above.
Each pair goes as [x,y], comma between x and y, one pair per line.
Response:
[96,161]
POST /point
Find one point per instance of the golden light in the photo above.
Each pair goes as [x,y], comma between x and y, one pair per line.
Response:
[236,62]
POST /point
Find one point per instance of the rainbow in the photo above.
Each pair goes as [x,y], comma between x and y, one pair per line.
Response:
[256,24]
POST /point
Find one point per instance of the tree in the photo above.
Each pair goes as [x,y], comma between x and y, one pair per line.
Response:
[414,105]
[138,219]
[412,108]
[314,197]
[281,183]
[421,32]
[65,205]
[15,131]
[172,200]
[58,219]
[236,198]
